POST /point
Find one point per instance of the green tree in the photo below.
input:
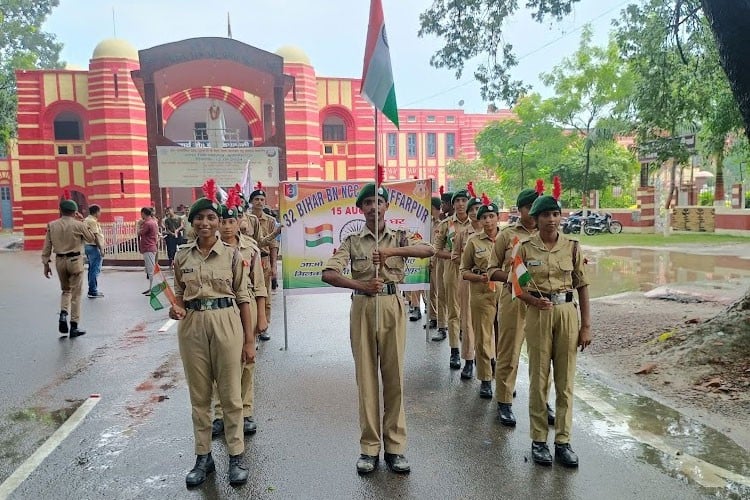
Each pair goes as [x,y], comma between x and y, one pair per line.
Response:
[462,171]
[23,45]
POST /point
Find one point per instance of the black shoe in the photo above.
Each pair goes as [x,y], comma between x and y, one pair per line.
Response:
[397,463]
[249,426]
[415,314]
[455,361]
[264,336]
[440,335]
[468,372]
[237,472]
[485,389]
[366,464]
[204,465]
[505,414]
[550,415]
[565,456]
[95,295]
[432,324]
[217,428]
[62,324]
[74,331]
[540,453]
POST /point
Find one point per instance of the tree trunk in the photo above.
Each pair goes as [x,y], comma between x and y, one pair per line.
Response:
[719,187]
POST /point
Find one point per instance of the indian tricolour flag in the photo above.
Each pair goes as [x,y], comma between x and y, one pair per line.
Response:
[377,75]
[318,235]
[519,275]
[161,293]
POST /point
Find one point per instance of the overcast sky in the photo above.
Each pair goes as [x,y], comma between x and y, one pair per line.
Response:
[331,32]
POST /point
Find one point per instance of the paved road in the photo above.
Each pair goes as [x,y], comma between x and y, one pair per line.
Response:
[137,441]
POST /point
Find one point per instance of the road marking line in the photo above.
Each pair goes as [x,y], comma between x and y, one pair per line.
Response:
[31,463]
[704,473]
[167,325]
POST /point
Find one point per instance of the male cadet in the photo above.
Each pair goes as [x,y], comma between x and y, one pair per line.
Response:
[433,312]
[512,312]
[446,210]
[377,341]
[66,237]
[443,246]
[269,247]
[94,253]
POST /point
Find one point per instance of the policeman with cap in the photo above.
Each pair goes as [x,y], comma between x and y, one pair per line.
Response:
[446,210]
[66,237]
[269,246]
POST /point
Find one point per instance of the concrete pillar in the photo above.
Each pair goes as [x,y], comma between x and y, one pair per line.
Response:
[647,206]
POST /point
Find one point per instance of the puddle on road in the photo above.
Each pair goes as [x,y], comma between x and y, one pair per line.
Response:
[617,270]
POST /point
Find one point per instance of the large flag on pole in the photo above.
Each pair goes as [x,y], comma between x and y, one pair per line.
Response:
[377,75]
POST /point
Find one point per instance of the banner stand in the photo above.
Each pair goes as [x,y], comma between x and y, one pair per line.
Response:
[286,328]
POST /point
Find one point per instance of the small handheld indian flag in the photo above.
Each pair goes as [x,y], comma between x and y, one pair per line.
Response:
[519,275]
[318,235]
[161,295]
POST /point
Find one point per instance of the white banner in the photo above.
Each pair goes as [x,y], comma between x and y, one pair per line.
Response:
[190,167]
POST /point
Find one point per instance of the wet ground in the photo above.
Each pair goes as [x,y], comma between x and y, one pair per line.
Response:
[137,441]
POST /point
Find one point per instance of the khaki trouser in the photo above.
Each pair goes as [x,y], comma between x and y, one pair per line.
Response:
[467,328]
[434,293]
[415,299]
[509,342]
[442,299]
[211,350]
[450,282]
[552,335]
[383,348]
[70,274]
[484,312]
[266,264]
[247,382]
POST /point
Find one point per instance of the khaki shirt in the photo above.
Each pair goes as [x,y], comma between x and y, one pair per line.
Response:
[503,248]
[251,259]
[96,228]
[556,270]
[65,235]
[253,226]
[462,235]
[267,226]
[358,249]
[218,275]
[446,232]
[477,252]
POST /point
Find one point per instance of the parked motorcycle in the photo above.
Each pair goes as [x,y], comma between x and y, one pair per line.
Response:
[572,223]
[601,223]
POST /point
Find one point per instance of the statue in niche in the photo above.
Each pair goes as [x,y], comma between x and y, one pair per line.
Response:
[216,125]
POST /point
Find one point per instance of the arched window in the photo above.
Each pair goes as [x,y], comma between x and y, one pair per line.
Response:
[68,127]
[334,129]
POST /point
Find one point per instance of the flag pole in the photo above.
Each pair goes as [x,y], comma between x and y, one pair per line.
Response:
[377,220]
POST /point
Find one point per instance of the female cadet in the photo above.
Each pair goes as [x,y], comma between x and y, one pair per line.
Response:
[215,335]
[484,293]
[553,330]
[229,230]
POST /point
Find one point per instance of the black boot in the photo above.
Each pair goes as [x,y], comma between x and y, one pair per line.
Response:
[505,414]
[217,427]
[397,463]
[432,324]
[468,372]
[550,415]
[440,335]
[455,361]
[62,324]
[74,331]
[204,465]
[485,389]
[565,456]
[237,472]
[540,453]
[249,426]
[415,313]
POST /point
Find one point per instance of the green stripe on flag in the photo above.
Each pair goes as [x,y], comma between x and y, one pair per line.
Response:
[319,241]
[390,109]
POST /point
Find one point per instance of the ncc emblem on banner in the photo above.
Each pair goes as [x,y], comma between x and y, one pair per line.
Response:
[291,191]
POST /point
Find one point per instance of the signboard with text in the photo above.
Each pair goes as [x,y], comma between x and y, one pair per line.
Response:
[190,167]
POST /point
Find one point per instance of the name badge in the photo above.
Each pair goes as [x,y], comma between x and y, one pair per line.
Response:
[187,270]
[533,263]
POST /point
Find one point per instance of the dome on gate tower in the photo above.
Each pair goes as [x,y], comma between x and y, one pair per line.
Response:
[292,54]
[115,48]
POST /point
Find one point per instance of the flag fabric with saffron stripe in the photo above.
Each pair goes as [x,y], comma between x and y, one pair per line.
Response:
[318,235]
[519,275]
[161,295]
[377,74]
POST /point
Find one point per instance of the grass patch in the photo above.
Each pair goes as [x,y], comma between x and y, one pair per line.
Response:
[658,240]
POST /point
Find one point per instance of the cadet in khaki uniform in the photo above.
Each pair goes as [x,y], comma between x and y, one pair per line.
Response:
[434,315]
[443,246]
[269,247]
[553,330]
[377,342]
[439,269]
[484,292]
[230,234]
[66,237]
[468,347]
[216,335]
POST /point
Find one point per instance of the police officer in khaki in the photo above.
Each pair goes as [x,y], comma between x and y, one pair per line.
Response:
[215,335]
[446,210]
[230,234]
[66,237]
[269,247]
[447,230]
[377,325]
[434,314]
[553,329]
[485,293]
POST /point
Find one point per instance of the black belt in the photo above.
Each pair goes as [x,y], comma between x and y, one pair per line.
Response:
[207,304]
[69,254]
[555,298]
[388,289]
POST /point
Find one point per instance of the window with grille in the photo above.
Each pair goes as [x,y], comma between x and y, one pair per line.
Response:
[411,145]
[392,145]
[450,145]
[431,144]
